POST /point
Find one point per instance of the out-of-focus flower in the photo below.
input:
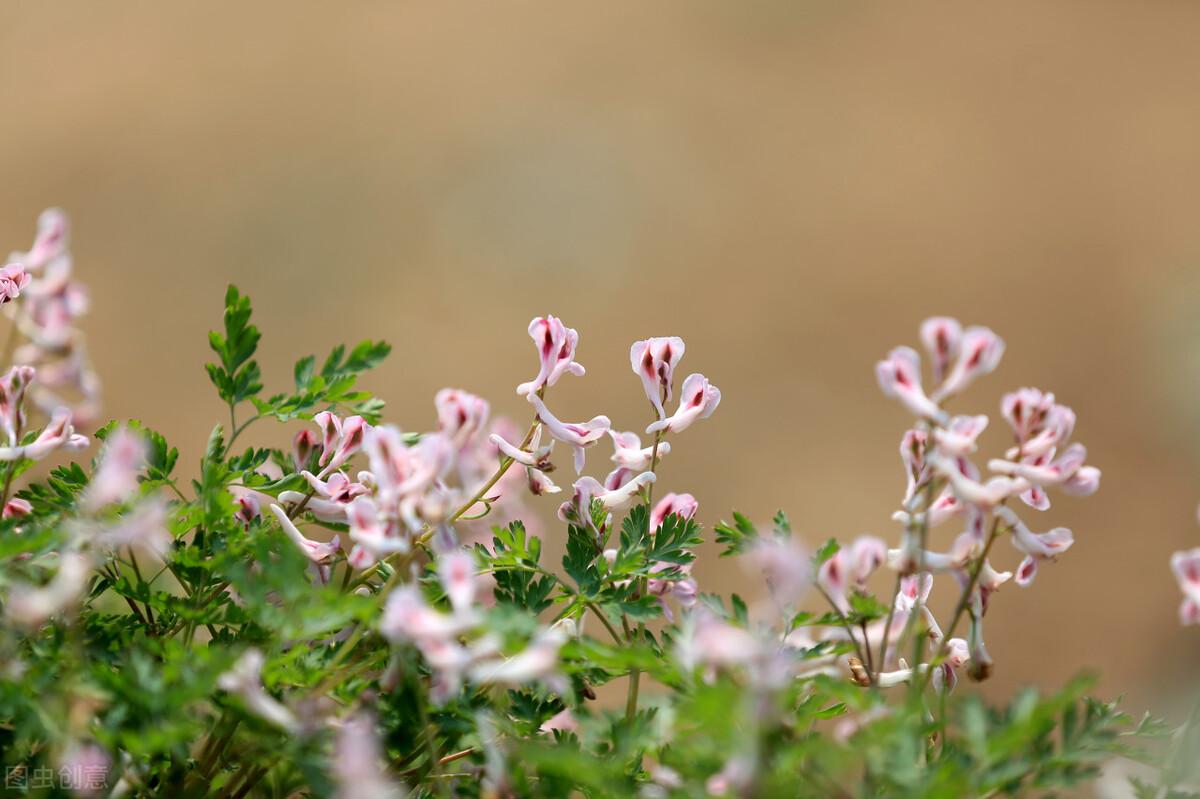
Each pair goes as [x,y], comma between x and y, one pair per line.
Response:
[536,662]
[304,444]
[785,567]
[49,243]
[245,680]
[121,463]
[144,526]
[315,551]
[578,436]
[456,570]
[16,507]
[654,361]
[942,337]
[556,345]
[461,414]
[708,641]
[84,770]
[13,278]
[1186,566]
[697,400]
[31,605]
[912,455]
[357,764]
[959,435]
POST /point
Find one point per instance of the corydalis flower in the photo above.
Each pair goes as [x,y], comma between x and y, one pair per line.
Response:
[50,242]
[461,414]
[121,463]
[697,400]
[13,278]
[316,551]
[245,680]
[628,452]
[556,345]
[654,361]
[535,459]
[357,763]
[589,489]
[850,566]
[1036,546]
[578,436]
[12,400]
[30,606]
[1186,566]
[328,499]
[899,376]
[979,353]
[682,505]
[340,439]
[58,434]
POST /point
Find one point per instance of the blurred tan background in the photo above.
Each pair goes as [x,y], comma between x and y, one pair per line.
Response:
[790,186]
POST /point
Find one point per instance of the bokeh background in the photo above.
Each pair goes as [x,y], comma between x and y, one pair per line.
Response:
[789,186]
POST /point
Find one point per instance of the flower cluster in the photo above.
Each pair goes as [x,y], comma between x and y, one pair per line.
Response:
[368,607]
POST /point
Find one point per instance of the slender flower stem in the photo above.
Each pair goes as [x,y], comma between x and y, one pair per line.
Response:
[635,675]
[887,626]
[845,625]
[964,600]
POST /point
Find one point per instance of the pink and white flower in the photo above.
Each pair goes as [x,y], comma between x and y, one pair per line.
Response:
[121,464]
[654,361]
[461,414]
[58,434]
[316,551]
[630,454]
[50,242]
[899,376]
[556,345]
[979,354]
[13,278]
[1186,566]
[942,337]
[683,505]
[697,400]
[579,436]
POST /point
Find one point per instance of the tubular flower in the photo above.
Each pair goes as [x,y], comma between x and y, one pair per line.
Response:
[340,439]
[899,376]
[461,415]
[942,337]
[315,551]
[697,400]
[556,345]
[1186,566]
[58,434]
[654,361]
[683,505]
[578,436]
[121,463]
[629,453]
[979,353]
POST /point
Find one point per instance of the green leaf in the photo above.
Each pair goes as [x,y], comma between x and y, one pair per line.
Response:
[736,537]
